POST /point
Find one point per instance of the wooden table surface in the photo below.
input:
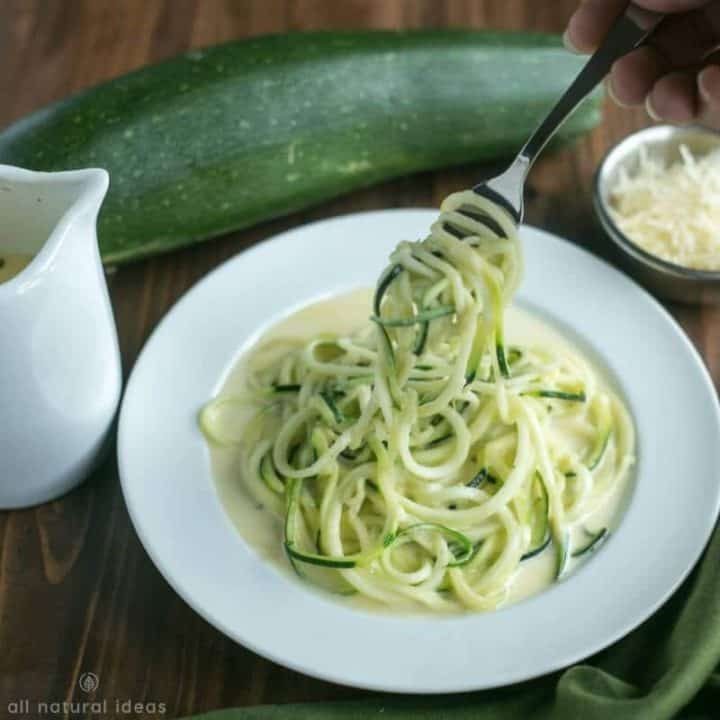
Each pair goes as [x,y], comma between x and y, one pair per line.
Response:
[78,593]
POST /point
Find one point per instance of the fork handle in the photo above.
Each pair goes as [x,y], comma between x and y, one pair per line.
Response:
[630,29]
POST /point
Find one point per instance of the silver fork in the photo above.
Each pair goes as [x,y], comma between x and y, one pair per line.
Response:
[630,30]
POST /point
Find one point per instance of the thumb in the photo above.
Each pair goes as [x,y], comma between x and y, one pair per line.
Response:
[670,6]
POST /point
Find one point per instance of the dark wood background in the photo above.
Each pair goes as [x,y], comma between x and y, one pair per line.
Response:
[77,591]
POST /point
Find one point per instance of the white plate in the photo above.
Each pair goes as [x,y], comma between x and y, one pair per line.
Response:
[171,496]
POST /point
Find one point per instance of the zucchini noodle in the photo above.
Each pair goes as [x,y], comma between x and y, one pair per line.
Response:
[421,459]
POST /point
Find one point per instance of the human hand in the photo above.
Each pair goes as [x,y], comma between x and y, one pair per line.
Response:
[675,74]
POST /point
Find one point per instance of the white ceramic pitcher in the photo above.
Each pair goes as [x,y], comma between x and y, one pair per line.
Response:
[60,376]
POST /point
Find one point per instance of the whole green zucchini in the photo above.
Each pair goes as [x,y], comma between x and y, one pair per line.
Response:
[221,138]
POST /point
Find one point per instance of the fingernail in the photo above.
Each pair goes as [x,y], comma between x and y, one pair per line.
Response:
[650,110]
[702,87]
[568,43]
[611,93]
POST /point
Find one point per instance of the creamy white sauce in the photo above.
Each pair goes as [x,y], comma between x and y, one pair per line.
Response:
[345,314]
[12,264]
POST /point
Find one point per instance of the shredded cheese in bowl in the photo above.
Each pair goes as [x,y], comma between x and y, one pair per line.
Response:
[672,211]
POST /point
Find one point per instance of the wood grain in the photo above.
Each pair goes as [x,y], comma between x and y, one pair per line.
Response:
[77,591]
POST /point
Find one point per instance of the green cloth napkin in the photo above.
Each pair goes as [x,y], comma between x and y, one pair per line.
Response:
[664,669]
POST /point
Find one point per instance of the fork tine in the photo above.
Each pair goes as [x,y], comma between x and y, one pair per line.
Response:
[498,198]
[489,222]
[506,189]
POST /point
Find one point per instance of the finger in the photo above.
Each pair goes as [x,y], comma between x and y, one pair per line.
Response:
[632,77]
[709,92]
[674,98]
[590,23]
[670,6]
[592,20]
[686,39]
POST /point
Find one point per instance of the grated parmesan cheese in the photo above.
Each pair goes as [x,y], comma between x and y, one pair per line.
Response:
[672,211]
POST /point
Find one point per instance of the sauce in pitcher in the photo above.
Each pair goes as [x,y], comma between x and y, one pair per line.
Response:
[12,264]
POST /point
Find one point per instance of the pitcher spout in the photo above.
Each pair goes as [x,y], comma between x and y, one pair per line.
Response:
[41,212]
[84,191]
